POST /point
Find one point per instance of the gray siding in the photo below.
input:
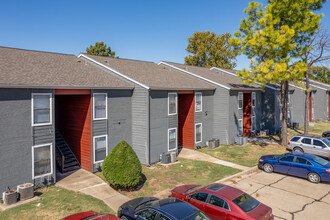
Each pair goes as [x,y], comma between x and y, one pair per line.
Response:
[234,115]
[298,106]
[140,124]
[17,136]
[119,117]
[118,125]
[45,135]
[258,110]
[205,117]
[320,104]
[268,110]
[160,122]
[220,115]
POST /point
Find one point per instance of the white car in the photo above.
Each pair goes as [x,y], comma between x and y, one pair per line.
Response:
[319,146]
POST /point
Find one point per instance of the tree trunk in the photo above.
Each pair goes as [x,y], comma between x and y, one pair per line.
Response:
[306,121]
[284,101]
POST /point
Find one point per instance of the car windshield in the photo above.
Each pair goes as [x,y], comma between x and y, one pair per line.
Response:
[326,141]
[246,202]
[198,215]
[319,160]
[193,189]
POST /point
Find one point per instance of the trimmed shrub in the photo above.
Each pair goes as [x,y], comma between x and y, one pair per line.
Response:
[122,168]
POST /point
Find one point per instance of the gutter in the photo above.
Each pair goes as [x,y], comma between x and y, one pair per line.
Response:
[114,71]
[58,87]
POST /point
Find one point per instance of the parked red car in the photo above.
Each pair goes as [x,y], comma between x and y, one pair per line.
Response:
[223,202]
[90,215]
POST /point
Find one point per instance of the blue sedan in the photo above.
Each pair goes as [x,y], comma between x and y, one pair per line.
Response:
[312,167]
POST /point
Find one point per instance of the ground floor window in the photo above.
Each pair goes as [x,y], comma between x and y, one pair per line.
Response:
[198,133]
[100,148]
[240,127]
[42,160]
[172,139]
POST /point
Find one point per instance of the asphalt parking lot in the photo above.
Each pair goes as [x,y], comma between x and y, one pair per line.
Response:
[289,197]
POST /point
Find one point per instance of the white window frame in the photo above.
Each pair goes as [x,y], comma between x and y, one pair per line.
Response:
[51,160]
[238,129]
[168,103]
[240,94]
[50,109]
[196,142]
[106,147]
[168,139]
[201,94]
[106,106]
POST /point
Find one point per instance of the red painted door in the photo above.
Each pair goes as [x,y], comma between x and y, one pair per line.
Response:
[310,106]
[247,114]
[186,121]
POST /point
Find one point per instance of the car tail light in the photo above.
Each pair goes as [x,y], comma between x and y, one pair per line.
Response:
[328,170]
[288,142]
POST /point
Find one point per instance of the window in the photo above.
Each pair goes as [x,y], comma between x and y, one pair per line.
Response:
[41,109]
[163,217]
[172,139]
[216,201]
[42,163]
[253,99]
[148,214]
[246,202]
[100,106]
[240,127]
[302,161]
[172,103]
[215,187]
[199,196]
[318,143]
[306,141]
[198,133]
[198,102]
[100,148]
[295,139]
[287,159]
[240,100]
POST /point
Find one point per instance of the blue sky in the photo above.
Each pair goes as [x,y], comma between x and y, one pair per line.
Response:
[148,30]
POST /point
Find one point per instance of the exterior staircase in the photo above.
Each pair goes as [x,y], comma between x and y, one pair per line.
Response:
[65,159]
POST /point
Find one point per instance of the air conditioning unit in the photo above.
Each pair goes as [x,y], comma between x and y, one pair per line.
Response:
[264,132]
[173,156]
[213,143]
[165,158]
[239,140]
[9,197]
[25,191]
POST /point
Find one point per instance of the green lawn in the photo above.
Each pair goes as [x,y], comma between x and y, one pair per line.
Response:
[56,203]
[247,155]
[160,180]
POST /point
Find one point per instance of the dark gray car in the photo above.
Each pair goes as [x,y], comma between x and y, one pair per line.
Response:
[319,146]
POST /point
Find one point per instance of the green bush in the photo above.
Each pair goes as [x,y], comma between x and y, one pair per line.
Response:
[122,168]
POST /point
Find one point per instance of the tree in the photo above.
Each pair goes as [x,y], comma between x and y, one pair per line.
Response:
[321,73]
[317,51]
[271,37]
[210,50]
[100,49]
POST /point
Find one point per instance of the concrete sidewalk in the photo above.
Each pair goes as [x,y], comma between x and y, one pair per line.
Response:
[90,184]
[196,155]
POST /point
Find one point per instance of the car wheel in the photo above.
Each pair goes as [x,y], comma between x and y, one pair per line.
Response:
[123,217]
[268,168]
[298,150]
[314,177]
